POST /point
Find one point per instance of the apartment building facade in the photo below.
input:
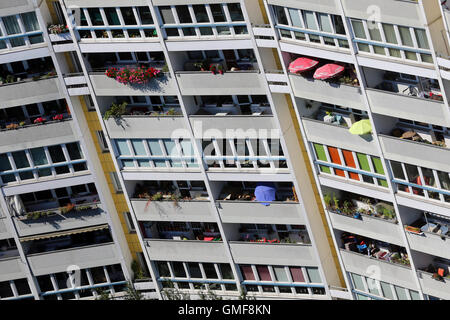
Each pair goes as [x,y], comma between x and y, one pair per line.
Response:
[176,134]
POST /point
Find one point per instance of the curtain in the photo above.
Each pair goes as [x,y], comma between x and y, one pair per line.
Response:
[155,148]
[280,274]
[263,273]
[30,21]
[16,205]
[247,273]
[297,274]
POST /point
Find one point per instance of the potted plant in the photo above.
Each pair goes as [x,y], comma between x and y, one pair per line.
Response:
[327,200]
[116,110]
[39,120]
[336,204]
[58,117]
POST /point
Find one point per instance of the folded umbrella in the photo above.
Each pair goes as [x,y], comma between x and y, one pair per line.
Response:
[328,71]
[302,64]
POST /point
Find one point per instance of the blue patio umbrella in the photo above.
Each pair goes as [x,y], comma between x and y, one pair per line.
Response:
[265,192]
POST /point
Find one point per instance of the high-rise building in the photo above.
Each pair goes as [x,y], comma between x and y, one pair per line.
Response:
[279,149]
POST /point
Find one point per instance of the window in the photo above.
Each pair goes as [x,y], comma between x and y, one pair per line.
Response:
[280,274]
[217,12]
[166,14]
[116,182]
[183,14]
[129,222]
[235,12]
[145,15]
[200,13]
[263,273]
[313,275]
[102,141]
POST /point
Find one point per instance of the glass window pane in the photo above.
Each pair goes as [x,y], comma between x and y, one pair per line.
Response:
[401,293]
[20,159]
[421,37]
[280,15]
[154,146]
[263,273]
[295,18]
[324,21]
[217,13]
[247,272]
[145,15]
[387,291]
[96,17]
[112,17]
[11,25]
[414,295]
[358,29]
[313,275]
[310,21]
[38,156]
[170,146]
[405,35]
[235,12]
[358,282]
[200,13]
[122,147]
[74,151]
[389,33]
[280,274]
[166,14]
[226,271]
[338,24]
[397,170]
[128,15]
[210,271]
[138,147]
[297,274]
[194,270]
[4,162]
[183,14]
[30,21]
[178,269]
[374,32]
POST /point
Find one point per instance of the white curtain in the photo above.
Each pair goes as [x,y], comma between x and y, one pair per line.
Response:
[16,205]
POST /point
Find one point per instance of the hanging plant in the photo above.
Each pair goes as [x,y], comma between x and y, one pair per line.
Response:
[131,75]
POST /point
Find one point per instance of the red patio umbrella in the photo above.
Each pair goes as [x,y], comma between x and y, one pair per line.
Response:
[302,64]
[328,71]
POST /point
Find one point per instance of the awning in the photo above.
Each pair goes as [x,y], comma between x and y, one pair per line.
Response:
[328,71]
[265,192]
[302,64]
[63,233]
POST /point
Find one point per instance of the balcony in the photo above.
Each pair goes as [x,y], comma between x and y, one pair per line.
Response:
[197,211]
[104,86]
[83,257]
[405,13]
[28,92]
[434,287]
[274,254]
[12,268]
[186,250]
[129,127]
[338,136]
[242,82]
[430,243]
[255,212]
[333,93]
[424,155]
[386,271]
[206,127]
[80,217]
[26,136]
[407,107]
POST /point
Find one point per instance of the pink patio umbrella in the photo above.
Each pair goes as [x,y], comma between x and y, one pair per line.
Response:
[328,71]
[302,64]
